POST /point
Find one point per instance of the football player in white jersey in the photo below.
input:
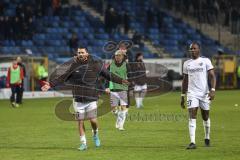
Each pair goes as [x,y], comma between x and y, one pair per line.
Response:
[197,72]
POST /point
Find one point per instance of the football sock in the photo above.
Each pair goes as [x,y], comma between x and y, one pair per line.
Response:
[95,132]
[83,139]
[137,102]
[192,129]
[206,125]
[141,101]
[119,117]
[123,117]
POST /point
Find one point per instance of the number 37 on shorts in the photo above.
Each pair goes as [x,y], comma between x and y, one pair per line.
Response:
[193,102]
[189,102]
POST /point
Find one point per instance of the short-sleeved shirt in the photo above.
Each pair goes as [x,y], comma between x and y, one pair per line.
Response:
[197,71]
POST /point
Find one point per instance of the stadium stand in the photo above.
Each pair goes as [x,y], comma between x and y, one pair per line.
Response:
[161,28]
[52,34]
[47,32]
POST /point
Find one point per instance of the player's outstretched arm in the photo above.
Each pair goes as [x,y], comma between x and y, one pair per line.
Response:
[184,89]
[63,71]
[212,79]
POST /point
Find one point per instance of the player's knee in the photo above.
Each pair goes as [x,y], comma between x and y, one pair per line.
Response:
[93,120]
[191,116]
[114,109]
[123,108]
[205,117]
[81,122]
[193,113]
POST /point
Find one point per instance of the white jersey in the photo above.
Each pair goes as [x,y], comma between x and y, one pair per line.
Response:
[197,71]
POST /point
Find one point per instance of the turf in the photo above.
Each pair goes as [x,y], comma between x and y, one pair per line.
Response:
[34,132]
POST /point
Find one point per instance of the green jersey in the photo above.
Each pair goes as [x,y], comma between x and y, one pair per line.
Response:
[15,75]
[120,71]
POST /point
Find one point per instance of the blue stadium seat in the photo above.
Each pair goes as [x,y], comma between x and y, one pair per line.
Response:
[10,12]
[39,37]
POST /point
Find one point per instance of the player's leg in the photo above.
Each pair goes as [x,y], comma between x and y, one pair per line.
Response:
[83,140]
[137,96]
[18,95]
[116,111]
[137,99]
[81,128]
[192,104]
[122,117]
[206,121]
[12,98]
[142,94]
[21,93]
[91,114]
[79,109]
[94,125]
[114,100]
[124,110]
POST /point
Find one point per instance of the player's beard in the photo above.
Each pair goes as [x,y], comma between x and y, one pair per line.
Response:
[82,58]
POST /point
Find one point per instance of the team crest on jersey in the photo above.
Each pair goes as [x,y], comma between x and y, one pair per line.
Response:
[200,64]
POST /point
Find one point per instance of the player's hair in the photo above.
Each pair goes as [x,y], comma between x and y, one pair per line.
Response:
[194,42]
[83,47]
[138,55]
[120,52]
[42,62]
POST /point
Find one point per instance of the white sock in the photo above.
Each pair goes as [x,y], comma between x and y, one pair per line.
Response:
[95,132]
[83,139]
[141,101]
[123,118]
[125,112]
[206,125]
[137,99]
[192,129]
[118,117]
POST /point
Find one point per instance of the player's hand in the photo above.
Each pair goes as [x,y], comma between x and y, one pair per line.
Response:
[124,81]
[107,90]
[46,86]
[182,102]
[211,95]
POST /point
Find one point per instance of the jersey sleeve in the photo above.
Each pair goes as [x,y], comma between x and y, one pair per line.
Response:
[63,72]
[209,65]
[185,67]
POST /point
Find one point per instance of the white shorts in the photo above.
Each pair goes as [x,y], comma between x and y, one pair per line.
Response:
[85,110]
[119,98]
[138,88]
[193,102]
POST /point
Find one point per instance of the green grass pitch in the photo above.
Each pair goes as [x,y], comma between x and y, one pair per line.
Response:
[33,132]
